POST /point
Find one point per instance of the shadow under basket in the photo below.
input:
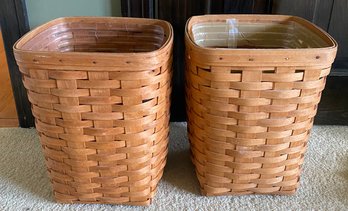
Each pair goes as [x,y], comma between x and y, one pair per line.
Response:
[253,84]
[100,93]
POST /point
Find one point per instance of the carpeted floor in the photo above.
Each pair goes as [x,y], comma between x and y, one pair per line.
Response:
[324,184]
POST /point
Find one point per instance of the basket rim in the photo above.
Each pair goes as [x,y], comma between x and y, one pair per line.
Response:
[17,47]
[305,23]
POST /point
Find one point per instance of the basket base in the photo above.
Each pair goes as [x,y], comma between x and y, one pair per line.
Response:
[111,201]
[286,193]
[121,200]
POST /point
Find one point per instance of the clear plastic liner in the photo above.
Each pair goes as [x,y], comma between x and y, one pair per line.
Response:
[236,34]
[232,29]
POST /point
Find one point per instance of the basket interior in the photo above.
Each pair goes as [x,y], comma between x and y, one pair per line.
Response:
[98,37]
[252,34]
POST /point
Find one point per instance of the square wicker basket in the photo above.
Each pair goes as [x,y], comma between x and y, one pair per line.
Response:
[100,93]
[253,85]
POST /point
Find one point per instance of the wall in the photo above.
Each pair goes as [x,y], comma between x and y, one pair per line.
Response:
[41,11]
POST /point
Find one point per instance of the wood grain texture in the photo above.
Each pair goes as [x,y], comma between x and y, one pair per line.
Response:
[316,11]
[8,113]
[100,94]
[330,15]
[8,123]
[338,27]
[246,6]
[340,67]
[177,13]
[14,24]
[250,111]
[333,107]
[138,8]
[323,13]
[300,8]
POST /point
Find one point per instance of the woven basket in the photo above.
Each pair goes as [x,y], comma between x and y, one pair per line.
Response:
[100,92]
[250,108]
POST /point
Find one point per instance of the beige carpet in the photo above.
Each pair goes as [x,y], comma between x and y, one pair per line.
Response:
[324,184]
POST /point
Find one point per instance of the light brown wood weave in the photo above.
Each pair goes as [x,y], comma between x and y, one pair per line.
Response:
[100,92]
[250,111]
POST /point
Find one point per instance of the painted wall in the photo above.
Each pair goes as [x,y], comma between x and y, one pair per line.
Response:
[41,11]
